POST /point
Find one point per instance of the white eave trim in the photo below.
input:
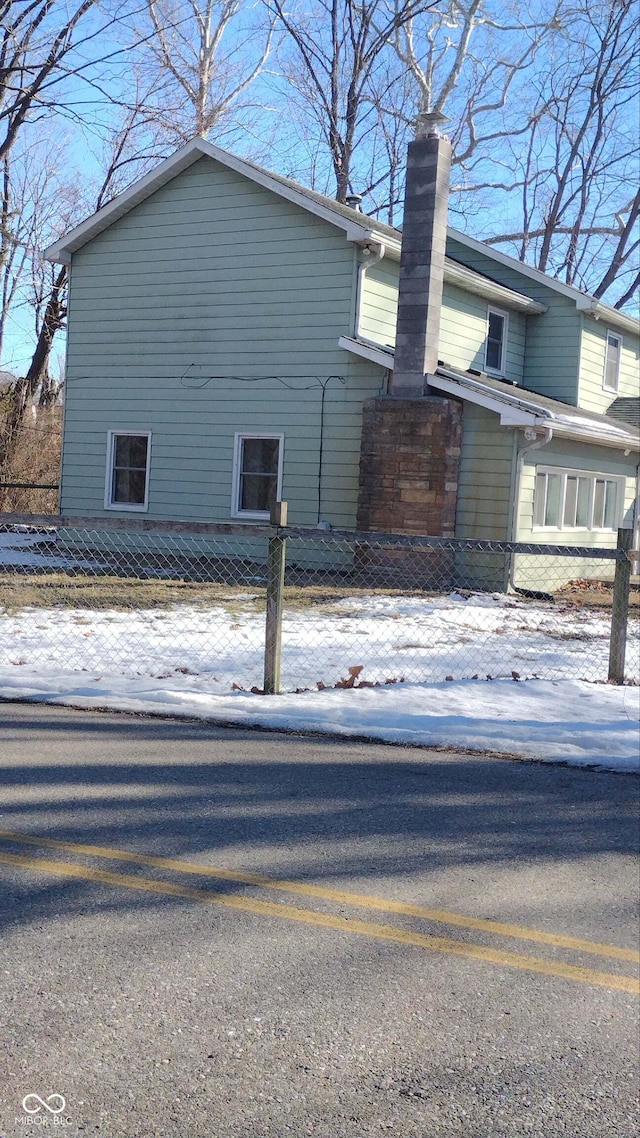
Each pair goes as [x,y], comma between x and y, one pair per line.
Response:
[582,300]
[611,316]
[368,351]
[61,250]
[490,290]
[512,410]
[511,414]
[518,412]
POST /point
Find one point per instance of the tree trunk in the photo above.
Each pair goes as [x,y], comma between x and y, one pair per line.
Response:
[25,389]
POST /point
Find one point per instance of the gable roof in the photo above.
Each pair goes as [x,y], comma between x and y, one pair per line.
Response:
[584,302]
[357,226]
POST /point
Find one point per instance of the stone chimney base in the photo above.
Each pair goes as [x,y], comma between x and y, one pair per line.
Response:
[409,462]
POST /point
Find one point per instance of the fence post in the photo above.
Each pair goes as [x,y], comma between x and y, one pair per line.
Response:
[620,609]
[275,594]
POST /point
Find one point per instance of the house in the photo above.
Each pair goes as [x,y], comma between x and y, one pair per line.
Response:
[235,338]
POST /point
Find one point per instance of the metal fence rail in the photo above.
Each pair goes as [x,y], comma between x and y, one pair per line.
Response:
[267,607]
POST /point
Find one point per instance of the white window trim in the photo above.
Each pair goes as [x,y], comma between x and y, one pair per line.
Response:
[593,476]
[253,515]
[136,507]
[491,308]
[618,337]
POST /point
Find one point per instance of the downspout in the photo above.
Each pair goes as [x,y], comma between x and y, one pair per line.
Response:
[636,522]
[367,263]
[535,443]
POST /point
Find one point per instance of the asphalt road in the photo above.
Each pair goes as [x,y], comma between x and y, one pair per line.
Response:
[366,939]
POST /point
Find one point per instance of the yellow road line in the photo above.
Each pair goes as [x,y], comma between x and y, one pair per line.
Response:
[363,900]
[326,920]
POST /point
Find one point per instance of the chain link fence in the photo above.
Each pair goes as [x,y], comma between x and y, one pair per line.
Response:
[155,600]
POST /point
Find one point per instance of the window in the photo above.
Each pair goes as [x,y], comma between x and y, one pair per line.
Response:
[576,499]
[612,362]
[495,350]
[127,481]
[257,474]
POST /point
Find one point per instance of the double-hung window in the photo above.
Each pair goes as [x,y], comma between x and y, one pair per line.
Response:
[127,478]
[576,499]
[257,475]
[496,343]
[612,362]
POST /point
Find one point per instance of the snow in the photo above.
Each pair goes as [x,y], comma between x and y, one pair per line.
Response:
[183,661]
[519,671]
[567,721]
[411,637]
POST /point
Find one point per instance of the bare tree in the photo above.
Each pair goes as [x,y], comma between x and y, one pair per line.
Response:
[51,207]
[201,57]
[471,60]
[333,59]
[575,205]
[36,41]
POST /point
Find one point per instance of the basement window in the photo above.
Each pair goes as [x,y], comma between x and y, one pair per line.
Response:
[127,480]
[496,343]
[576,499]
[257,475]
[612,362]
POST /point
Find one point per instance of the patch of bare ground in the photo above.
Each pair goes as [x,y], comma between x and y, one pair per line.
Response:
[583,594]
[77,591]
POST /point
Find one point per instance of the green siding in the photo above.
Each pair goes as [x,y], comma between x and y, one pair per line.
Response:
[484,483]
[553,338]
[210,283]
[379,303]
[575,456]
[593,397]
[463,328]
[463,333]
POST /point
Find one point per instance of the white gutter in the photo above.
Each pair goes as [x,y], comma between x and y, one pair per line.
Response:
[636,522]
[608,315]
[582,301]
[535,444]
[473,282]
[367,263]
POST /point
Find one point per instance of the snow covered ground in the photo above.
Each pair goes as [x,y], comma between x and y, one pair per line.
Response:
[567,721]
[185,660]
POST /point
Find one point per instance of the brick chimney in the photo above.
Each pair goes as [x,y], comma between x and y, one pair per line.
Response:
[424,236]
[410,447]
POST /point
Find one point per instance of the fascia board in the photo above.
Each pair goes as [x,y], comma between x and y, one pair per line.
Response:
[60,251]
[609,316]
[597,436]
[582,300]
[490,290]
[393,247]
[288,192]
[367,351]
[512,263]
[510,414]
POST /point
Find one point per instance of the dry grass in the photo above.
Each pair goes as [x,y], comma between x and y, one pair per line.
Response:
[61,590]
[76,591]
[37,459]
